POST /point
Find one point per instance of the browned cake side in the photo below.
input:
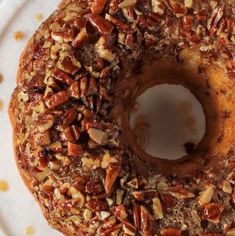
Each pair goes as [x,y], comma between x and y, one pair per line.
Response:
[77,80]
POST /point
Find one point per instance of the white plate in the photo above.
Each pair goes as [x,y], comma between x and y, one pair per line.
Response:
[18,209]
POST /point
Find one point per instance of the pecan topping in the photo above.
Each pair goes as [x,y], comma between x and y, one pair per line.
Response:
[98,6]
[170,232]
[74,149]
[212,212]
[57,99]
[112,173]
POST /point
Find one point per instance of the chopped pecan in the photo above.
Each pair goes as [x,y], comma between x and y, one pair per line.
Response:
[181,193]
[64,36]
[145,195]
[178,9]
[76,194]
[157,209]
[158,7]
[170,232]
[212,212]
[83,86]
[74,90]
[62,76]
[112,173]
[231,177]
[57,99]
[120,212]
[81,37]
[168,200]
[74,149]
[100,23]
[119,24]
[146,221]
[45,122]
[97,6]
[107,159]
[206,196]
[188,3]
[127,3]
[43,139]
[96,205]
[69,64]
[226,187]
[94,187]
[97,135]
[136,215]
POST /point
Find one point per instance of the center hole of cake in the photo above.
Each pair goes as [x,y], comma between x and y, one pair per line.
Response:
[168,121]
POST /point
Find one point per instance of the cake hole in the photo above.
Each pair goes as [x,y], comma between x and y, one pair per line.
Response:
[168,121]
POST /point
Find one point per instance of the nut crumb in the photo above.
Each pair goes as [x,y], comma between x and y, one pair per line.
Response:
[39,17]
[18,35]
[4,187]
[1,78]
[29,231]
[1,105]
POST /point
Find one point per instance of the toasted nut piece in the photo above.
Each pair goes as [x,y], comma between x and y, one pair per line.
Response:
[100,23]
[97,135]
[64,36]
[87,214]
[74,149]
[231,232]
[170,232]
[144,195]
[188,3]
[146,221]
[212,212]
[231,178]
[76,194]
[104,53]
[136,215]
[62,76]
[112,173]
[120,212]
[57,99]
[98,6]
[107,159]
[91,163]
[45,122]
[127,3]
[42,175]
[76,219]
[80,38]
[74,90]
[227,187]
[206,196]
[157,209]
[158,7]
[96,205]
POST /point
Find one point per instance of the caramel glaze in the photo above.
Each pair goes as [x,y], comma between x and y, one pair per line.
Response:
[200,80]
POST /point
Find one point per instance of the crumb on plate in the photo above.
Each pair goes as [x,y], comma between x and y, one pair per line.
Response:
[18,35]
[29,231]
[4,187]
[39,17]
[1,78]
